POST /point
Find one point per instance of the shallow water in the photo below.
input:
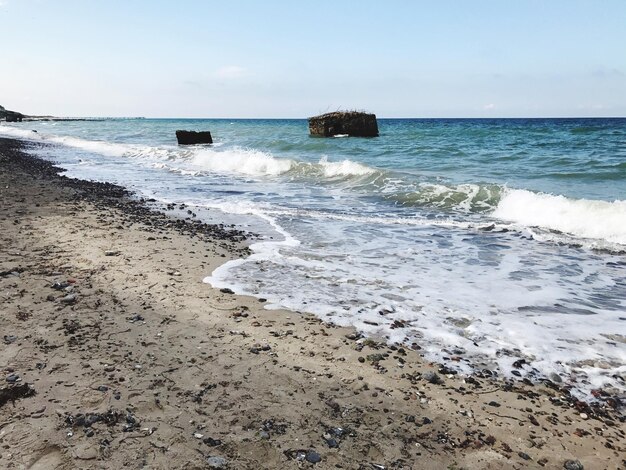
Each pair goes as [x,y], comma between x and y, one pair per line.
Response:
[490,239]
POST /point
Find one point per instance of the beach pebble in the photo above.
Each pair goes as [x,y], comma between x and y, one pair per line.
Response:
[111,253]
[69,299]
[432,377]
[8,339]
[264,435]
[584,416]
[217,462]
[556,378]
[13,378]
[212,442]
[332,443]
[524,455]
[313,457]
[573,465]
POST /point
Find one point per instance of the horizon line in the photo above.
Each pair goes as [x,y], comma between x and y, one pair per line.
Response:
[42,117]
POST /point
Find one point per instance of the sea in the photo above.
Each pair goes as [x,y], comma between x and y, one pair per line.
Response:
[479,241]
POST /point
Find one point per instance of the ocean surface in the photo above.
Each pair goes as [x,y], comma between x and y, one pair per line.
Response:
[490,240]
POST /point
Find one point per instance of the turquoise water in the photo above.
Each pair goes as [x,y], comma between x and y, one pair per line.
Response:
[498,239]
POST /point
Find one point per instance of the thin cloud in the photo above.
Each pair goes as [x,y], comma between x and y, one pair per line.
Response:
[489,107]
[230,72]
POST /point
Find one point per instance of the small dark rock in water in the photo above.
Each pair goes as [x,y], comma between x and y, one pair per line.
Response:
[226,290]
[524,455]
[432,377]
[519,363]
[555,378]
[352,123]
[217,462]
[573,465]
[313,457]
[193,137]
[8,339]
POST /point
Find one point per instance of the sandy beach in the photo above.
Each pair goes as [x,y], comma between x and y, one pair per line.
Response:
[115,354]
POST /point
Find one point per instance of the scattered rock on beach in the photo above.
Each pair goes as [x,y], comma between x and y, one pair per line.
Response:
[313,457]
[573,465]
[8,339]
[68,299]
[13,378]
[12,393]
[217,462]
[432,377]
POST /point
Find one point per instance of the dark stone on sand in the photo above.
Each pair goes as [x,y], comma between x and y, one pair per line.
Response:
[8,339]
[212,442]
[193,137]
[69,299]
[494,404]
[432,377]
[16,392]
[332,443]
[573,465]
[351,123]
[13,378]
[426,421]
[524,455]
[226,290]
[217,462]
[313,457]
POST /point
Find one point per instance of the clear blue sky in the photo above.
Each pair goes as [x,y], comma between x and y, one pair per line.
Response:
[270,58]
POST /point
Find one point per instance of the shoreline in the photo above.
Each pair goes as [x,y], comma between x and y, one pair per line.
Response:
[135,341]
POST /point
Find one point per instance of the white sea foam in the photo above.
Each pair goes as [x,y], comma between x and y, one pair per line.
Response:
[582,218]
[242,161]
[344,168]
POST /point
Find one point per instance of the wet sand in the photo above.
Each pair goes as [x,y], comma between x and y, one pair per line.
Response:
[114,353]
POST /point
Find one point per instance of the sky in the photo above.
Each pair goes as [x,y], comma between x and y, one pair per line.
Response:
[293,59]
